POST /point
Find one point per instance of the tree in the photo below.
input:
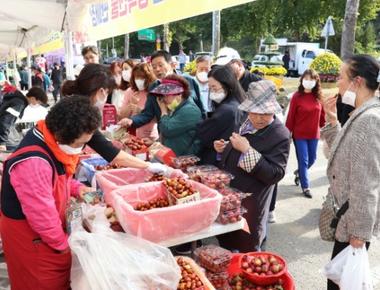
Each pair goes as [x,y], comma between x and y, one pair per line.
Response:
[349,28]
[243,26]
[126,45]
[365,39]
[167,37]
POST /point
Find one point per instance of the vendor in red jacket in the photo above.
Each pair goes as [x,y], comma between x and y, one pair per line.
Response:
[305,118]
[36,188]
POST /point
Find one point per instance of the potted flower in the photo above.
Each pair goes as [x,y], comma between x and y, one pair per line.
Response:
[327,65]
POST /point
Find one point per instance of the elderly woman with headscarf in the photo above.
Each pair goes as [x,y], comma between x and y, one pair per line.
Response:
[257,156]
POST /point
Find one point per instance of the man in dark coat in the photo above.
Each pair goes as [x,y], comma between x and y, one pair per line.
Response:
[257,157]
[12,107]
[56,77]
[286,60]
[243,75]
[229,56]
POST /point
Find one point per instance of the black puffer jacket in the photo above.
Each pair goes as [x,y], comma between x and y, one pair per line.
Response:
[11,108]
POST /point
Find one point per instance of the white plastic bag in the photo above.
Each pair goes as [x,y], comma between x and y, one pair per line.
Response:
[104,260]
[350,269]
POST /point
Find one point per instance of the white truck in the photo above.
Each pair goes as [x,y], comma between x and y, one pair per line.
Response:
[302,55]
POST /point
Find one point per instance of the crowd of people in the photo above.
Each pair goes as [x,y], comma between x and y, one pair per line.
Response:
[224,114]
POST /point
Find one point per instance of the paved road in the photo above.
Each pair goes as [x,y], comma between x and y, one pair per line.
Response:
[295,235]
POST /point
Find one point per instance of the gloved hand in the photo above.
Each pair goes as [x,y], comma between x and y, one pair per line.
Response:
[158,168]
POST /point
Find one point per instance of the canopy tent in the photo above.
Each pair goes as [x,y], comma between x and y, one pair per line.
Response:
[29,24]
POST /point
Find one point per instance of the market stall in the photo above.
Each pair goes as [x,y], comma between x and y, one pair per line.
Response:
[186,204]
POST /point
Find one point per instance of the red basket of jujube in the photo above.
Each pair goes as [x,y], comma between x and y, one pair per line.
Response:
[262,268]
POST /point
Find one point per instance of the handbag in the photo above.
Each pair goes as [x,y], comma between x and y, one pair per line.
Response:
[330,217]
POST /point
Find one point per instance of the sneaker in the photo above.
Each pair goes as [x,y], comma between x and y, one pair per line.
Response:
[184,249]
[296,178]
[307,193]
[271,217]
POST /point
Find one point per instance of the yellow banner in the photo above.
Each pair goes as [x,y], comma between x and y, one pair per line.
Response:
[115,17]
[48,47]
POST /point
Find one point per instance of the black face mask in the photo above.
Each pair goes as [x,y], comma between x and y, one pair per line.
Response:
[343,110]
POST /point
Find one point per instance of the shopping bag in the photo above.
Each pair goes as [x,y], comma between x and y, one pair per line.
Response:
[350,269]
[334,269]
[356,273]
[104,260]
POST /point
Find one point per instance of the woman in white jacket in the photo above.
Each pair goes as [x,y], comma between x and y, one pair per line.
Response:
[35,111]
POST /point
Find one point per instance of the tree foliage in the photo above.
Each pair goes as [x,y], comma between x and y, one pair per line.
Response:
[297,20]
[243,26]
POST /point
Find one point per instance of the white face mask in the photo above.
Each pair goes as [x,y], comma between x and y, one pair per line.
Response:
[202,77]
[100,103]
[126,74]
[217,97]
[349,98]
[118,79]
[140,84]
[309,85]
[70,150]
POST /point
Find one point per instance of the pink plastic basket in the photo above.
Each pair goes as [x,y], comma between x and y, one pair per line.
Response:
[162,224]
[112,179]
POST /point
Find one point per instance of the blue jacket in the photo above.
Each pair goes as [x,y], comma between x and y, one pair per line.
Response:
[47,82]
[152,108]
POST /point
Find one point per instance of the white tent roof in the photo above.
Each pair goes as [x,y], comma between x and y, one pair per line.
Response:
[25,23]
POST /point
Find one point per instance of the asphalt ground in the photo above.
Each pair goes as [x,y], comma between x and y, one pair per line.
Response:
[295,235]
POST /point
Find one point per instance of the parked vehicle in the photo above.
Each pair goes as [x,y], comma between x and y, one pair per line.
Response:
[302,55]
[260,60]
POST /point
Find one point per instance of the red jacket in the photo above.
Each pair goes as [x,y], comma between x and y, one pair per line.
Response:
[305,117]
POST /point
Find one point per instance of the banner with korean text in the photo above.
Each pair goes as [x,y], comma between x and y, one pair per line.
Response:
[109,18]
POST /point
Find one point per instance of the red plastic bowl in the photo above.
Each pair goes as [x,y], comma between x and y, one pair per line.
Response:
[268,279]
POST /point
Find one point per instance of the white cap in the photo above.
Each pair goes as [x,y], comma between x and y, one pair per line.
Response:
[225,55]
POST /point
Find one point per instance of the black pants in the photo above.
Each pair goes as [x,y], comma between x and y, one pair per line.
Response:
[24,86]
[338,247]
[257,219]
[274,198]
[56,91]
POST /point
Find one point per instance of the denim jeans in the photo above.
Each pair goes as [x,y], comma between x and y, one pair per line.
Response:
[306,155]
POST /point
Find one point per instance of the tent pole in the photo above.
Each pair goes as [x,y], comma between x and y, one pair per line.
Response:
[15,71]
[7,69]
[69,62]
[29,66]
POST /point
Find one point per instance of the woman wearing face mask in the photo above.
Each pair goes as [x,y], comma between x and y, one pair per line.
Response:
[257,157]
[179,115]
[226,95]
[135,98]
[36,188]
[305,118]
[96,82]
[117,94]
[126,74]
[354,165]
